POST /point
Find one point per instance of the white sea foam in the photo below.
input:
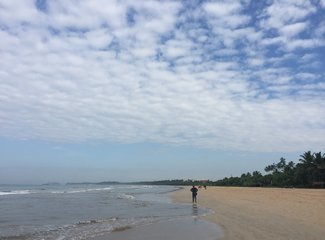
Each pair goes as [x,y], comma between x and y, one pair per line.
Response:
[126,196]
[83,190]
[129,196]
[137,187]
[15,192]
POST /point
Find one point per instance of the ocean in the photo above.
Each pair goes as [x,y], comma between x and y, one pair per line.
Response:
[88,211]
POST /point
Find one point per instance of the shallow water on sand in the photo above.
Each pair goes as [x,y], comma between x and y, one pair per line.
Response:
[91,211]
[176,229]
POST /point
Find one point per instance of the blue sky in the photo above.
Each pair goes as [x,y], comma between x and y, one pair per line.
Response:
[138,90]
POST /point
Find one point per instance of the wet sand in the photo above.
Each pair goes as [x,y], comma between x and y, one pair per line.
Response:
[190,226]
[178,229]
[264,213]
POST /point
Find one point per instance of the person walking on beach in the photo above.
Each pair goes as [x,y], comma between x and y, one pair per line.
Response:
[194,191]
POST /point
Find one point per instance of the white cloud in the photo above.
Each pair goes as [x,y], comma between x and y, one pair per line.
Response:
[256,61]
[98,38]
[82,71]
[308,57]
[322,3]
[289,19]
[226,15]
[305,43]
[283,12]
[177,47]
[291,30]
[320,30]
[307,76]
[222,8]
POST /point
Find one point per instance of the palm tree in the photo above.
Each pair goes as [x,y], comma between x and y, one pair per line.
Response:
[319,160]
[305,173]
[307,159]
[319,171]
[313,167]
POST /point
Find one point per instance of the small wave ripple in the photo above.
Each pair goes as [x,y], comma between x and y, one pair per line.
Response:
[27,191]
[15,192]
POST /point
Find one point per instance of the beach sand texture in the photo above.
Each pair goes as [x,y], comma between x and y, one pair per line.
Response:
[263,213]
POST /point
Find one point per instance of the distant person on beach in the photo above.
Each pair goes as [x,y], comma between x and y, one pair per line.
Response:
[194,191]
[205,187]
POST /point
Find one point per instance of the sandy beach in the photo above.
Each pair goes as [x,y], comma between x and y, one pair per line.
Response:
[263,213]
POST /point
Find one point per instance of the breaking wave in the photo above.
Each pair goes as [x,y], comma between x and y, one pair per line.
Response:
[16,192]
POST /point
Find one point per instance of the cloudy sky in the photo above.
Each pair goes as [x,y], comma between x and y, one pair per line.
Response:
[105,89]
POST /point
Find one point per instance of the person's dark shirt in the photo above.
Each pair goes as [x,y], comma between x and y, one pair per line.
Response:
[194,190]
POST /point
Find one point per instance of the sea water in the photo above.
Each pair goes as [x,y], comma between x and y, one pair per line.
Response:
[85,211]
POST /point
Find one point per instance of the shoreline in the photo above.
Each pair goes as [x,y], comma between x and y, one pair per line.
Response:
[191,226]
[263,213]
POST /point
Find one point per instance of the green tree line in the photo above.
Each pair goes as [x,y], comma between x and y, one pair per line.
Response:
[308,172]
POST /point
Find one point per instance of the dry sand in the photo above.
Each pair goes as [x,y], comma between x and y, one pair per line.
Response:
[264,213]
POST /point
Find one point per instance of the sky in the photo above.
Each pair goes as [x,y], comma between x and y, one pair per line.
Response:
[95,90]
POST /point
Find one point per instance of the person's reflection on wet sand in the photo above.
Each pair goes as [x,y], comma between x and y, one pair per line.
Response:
[195,212]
